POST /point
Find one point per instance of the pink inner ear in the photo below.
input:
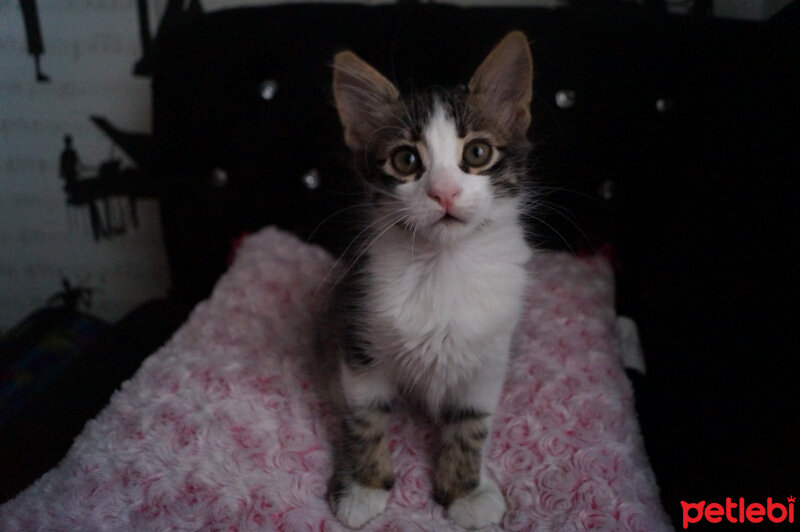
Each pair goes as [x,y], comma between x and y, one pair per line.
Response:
[522,115]
[362,94]
[504,81]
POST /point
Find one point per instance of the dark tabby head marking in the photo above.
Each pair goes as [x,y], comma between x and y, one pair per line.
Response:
[440,163]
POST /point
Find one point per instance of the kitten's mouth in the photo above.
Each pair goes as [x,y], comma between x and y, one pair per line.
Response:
[449,219]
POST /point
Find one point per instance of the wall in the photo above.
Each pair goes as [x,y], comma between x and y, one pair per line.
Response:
[88,49]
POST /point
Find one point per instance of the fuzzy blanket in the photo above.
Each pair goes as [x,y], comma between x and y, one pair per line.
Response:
[223,428]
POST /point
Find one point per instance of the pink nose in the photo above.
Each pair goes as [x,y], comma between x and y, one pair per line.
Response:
[444,194]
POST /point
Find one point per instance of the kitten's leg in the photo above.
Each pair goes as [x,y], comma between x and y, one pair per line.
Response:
[461,484]
[363,476]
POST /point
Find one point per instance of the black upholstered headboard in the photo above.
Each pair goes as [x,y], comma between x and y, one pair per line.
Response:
[625,97]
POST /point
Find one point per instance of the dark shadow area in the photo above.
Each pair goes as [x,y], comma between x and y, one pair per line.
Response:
[36,439]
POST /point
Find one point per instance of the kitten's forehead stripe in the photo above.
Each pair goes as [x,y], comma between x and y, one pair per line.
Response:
[441,137]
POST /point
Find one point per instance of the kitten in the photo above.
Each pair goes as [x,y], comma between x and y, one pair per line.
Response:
[433,290]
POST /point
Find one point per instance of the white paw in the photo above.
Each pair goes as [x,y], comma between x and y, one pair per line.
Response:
[483,507]
[359,504]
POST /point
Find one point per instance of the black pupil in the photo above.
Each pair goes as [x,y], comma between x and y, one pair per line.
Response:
[477,152]
[405,161]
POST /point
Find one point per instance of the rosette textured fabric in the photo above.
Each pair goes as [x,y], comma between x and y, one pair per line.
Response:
[225,427]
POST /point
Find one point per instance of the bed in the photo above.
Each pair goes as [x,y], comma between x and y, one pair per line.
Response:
[223,428]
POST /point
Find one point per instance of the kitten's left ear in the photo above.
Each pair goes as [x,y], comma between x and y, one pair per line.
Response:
[363,97]
[502,84]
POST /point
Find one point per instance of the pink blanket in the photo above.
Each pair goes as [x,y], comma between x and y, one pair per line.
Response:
[223,429]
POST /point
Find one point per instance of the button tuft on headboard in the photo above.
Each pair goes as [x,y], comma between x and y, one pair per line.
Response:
[218,177]
[267,89]
[665,105]
[565,98]
[311,179]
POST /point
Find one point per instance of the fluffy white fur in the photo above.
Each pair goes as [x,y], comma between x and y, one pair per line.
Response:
[360,504]
[483,507]
[444,298]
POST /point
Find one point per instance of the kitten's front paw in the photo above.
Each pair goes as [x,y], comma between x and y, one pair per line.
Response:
[482,507]
[358,504]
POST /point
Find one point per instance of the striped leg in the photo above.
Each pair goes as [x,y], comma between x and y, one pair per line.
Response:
[461,485]
[363,475]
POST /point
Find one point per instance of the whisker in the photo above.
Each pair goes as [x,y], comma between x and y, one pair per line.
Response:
[365,246]
[560,211]
[556,231]
[334,214]
[357,240]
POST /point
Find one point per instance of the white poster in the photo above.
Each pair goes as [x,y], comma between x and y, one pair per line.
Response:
[77,202]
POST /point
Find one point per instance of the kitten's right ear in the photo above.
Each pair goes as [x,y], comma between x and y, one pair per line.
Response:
[363,98]
[502,84]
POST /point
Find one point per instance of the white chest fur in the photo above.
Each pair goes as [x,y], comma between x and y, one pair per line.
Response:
[437,316]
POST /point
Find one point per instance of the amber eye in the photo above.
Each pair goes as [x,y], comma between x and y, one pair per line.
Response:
[405,160]
[477,153]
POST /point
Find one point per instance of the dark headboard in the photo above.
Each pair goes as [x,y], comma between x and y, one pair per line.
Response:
[243,111]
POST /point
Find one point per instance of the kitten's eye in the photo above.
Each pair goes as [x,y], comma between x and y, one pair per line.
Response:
[477,153]
[405,160]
